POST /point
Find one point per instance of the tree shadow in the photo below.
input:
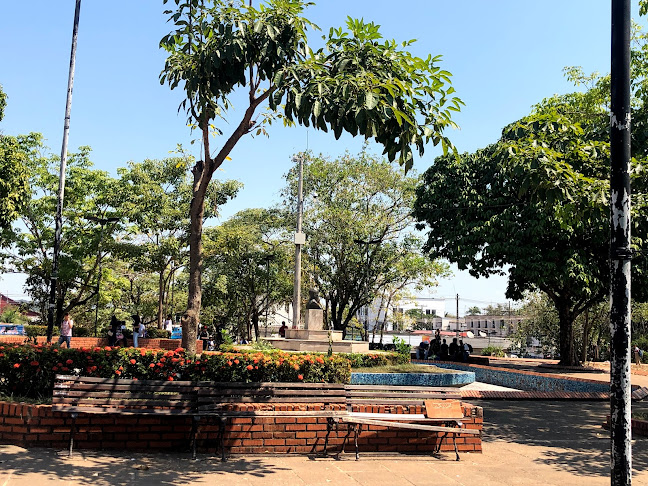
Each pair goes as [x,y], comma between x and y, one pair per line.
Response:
[570,433]
[99,468]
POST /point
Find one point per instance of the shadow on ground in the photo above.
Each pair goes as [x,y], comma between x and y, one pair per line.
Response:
[97,469]
[570,433]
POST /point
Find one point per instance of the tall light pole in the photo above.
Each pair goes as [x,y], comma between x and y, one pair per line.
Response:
[300,239]
[102,222]
[61,191]
[620,250]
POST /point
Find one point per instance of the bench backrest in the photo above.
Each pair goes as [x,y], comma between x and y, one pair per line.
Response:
[215,396]
[381,395]
[109,395]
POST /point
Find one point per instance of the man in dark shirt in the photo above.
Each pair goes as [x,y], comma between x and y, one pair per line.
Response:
[444,351]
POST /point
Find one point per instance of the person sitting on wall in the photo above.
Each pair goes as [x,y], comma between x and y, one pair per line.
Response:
[453,350]
[423,348]
[282,329]
[443,351]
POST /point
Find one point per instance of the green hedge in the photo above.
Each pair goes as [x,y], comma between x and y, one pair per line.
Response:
[493,351]
[155,333]
[35,331]
[28,370]
[362,360]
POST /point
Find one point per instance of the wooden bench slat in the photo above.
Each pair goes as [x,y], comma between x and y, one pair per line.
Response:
[120,381]
[431,428]
[283,399]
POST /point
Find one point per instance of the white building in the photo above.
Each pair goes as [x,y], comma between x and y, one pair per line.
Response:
[396,316]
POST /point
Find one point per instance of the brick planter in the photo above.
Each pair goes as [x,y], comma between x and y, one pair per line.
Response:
[639,427]
[92,342]
[38,426]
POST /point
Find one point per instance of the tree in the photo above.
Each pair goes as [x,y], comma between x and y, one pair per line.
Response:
[361,242]
[89,192]
[247,269]
[155,195]
[14,178]
[536,200]
[473,311]
[355,84]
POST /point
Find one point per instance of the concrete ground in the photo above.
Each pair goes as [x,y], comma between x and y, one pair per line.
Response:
[525,443]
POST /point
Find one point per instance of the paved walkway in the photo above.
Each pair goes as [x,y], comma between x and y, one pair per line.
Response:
[526,443]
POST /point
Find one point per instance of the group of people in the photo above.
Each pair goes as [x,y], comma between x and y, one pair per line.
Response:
[457,350]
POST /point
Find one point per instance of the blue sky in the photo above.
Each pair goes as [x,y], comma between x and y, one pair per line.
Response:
[504,55]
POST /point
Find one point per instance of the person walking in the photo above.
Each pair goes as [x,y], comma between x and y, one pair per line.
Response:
[66,330]
[138,330]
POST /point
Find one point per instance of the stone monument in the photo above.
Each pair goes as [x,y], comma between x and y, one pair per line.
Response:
[314,314]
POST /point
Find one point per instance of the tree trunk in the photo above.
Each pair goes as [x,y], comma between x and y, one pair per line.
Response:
[192,315]
[255,324]
[586,333]
[161,292]
[568,356]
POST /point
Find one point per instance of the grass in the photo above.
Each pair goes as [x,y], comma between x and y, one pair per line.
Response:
[403,368]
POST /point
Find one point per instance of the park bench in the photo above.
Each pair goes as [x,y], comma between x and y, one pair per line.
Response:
[224,401]
[438,406]
[82,394]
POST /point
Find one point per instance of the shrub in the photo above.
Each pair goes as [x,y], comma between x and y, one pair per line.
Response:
[155,333]
[403,348]
[28,370]
[493,351]
[361,360]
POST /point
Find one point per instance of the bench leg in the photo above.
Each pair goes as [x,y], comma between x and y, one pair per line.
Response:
[221,435]
[454,442]
[357,430]
[195,425]
[344,442]
[330,423]
[72,431]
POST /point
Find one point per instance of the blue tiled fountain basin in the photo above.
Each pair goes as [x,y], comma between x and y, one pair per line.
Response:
[413,379]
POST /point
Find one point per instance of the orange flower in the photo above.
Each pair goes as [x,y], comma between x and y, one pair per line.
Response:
[250,367]
[132,361]
[300,377]
[16,365]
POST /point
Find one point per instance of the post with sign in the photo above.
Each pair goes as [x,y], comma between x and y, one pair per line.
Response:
[300,239]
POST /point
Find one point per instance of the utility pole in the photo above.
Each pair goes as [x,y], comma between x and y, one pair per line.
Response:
[300,239]
[620,251]
[61,191]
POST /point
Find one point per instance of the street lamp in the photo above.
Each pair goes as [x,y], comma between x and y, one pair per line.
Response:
[103,222]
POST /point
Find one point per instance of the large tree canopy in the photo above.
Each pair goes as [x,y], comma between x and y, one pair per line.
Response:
[537,201]
[14,178]
[361,243]
[357,84]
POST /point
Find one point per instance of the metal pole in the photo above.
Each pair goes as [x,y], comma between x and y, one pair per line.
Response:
[457,329]
[98,280]
[298,245]
[620,251]
[61,191]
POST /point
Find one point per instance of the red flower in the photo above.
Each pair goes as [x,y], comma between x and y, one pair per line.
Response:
[1,355]
[319,359]
[229,363]
[152,365]
[69,361]
[65,368]
[236,361]
[179,350]
[34,363]
[300,377]
[16,365]
[117,372]
[55,350]
[132,361]
[250,367]
[54,368]
[170,378]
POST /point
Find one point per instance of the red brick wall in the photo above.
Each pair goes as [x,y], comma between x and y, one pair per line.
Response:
[38,425]
[91,342]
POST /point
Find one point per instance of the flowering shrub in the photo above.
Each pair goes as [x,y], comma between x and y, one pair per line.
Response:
[28,370]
